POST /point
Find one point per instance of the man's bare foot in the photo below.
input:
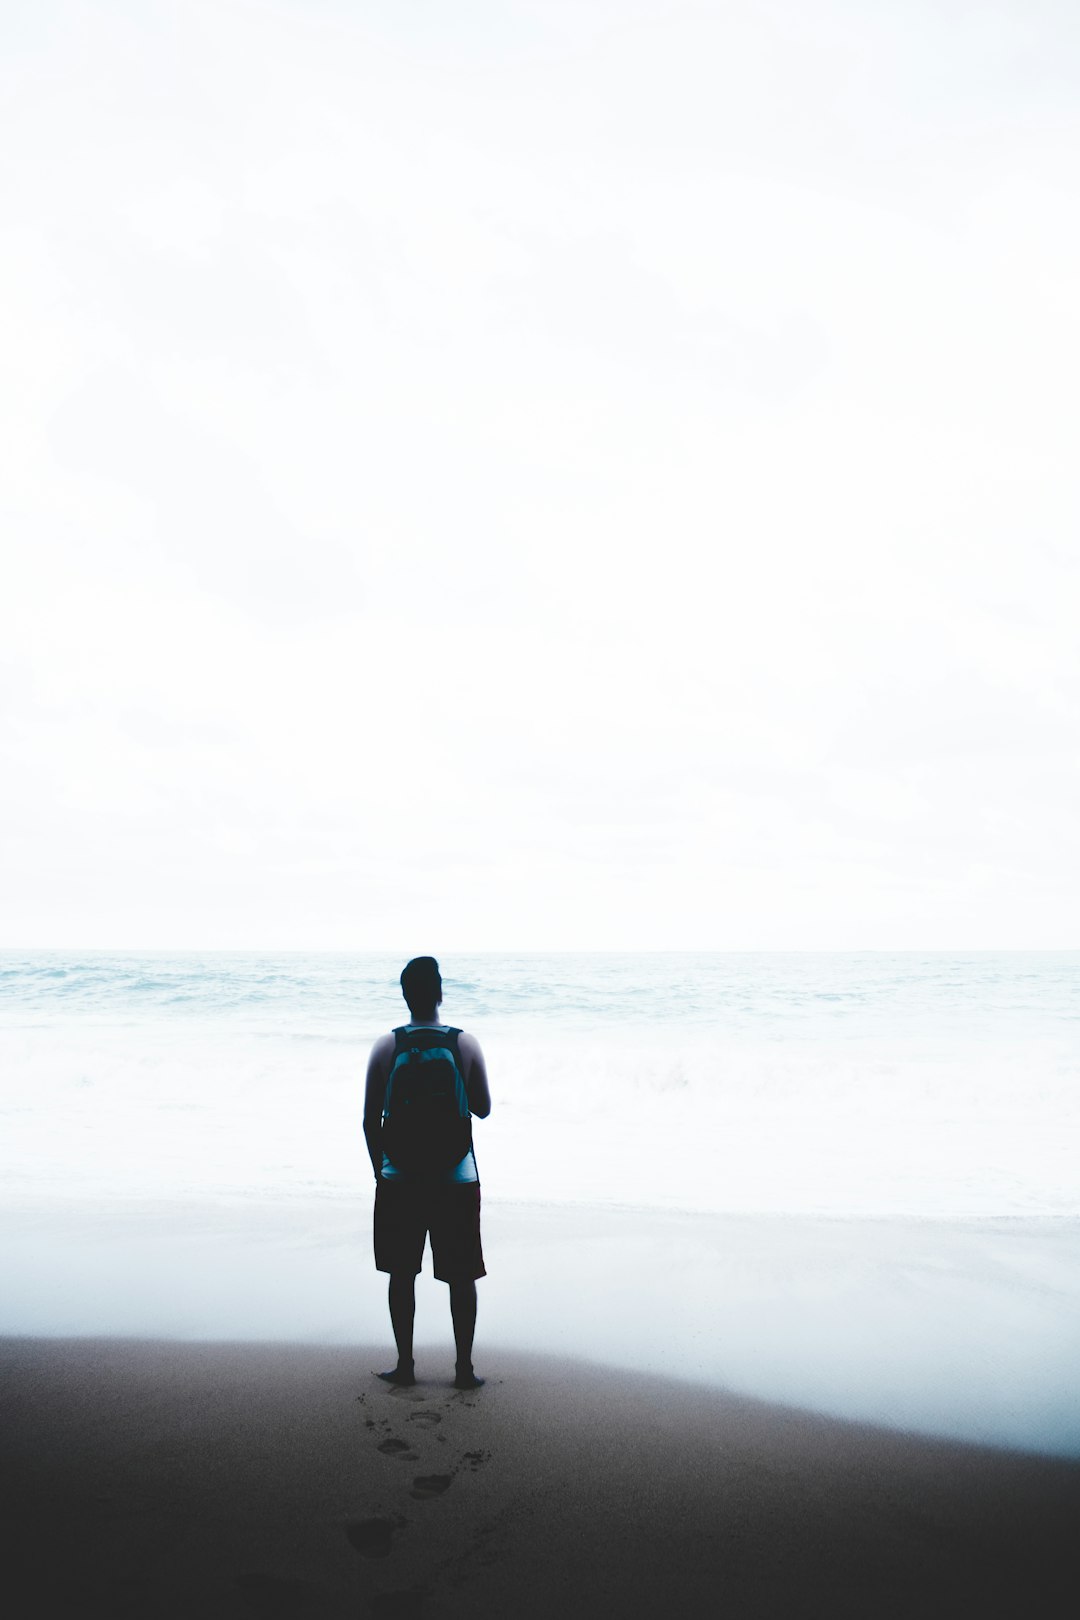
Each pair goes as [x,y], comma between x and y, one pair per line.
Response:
[402,1375]
[465,1378]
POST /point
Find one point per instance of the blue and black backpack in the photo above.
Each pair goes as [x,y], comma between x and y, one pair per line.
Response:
[426,1123]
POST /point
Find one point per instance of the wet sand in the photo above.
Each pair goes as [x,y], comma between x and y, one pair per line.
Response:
[966,1329]
[265,1482]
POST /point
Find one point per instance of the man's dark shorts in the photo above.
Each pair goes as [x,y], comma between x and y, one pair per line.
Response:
[406,1211]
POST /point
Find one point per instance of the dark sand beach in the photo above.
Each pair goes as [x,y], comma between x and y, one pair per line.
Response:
[146,1479]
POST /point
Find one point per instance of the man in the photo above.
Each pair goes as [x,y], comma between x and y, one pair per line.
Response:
[424,1192]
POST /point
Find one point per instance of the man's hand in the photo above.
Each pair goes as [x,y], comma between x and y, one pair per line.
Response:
[378,1072]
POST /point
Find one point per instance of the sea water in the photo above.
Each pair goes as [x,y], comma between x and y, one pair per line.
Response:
[876,1084]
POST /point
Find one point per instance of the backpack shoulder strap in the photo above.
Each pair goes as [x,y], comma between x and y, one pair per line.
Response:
[452,1042]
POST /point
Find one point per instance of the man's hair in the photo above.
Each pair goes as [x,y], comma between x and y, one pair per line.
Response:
[421,983]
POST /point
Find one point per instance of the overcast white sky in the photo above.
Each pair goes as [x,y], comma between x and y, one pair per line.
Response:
[540,473]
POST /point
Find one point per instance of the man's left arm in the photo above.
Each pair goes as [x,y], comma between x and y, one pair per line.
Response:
[474,1071]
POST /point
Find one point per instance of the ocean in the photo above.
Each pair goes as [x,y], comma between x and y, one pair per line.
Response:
[871,1084]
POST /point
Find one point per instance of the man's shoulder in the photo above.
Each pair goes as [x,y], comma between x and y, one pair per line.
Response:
[383,1046]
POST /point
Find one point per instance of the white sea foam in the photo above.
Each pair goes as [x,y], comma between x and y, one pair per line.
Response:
[962,1328]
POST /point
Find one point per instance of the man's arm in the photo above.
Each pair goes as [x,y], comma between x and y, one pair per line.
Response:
[378,1071]
[475,1074]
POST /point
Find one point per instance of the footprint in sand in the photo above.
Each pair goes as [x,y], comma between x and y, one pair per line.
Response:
[426,1486]
[426,1420]
[273,1597]
[372,1538]
[398,1605]
[125,1597]
[397,1448]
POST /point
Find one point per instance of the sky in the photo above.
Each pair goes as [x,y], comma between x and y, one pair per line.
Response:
[540,474]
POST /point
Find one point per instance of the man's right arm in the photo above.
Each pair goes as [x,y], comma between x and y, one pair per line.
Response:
[378,1071]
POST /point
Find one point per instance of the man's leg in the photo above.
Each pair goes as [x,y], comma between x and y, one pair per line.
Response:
[400,1234]
[402,1315]
[463,1312]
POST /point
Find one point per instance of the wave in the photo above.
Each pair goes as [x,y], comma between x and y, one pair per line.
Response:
[211,1107]
[752,994]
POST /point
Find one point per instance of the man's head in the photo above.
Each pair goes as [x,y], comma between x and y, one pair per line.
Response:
[421,985]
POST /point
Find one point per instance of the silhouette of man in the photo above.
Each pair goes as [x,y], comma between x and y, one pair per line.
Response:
[411,1203]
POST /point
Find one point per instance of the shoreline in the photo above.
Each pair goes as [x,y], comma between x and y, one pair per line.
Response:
[962,1329]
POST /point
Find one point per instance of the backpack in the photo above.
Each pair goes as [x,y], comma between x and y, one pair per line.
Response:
[426,1123]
